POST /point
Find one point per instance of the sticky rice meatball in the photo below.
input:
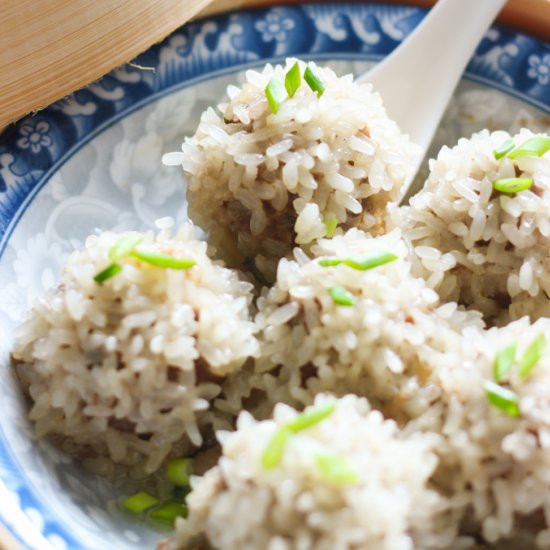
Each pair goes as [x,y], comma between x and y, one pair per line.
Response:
[123,358]
[494,416]
[264,176]
[481,225]
[335,476]
[352,320]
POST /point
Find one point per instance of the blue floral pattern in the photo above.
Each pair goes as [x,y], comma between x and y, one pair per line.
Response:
[274,26]
[539,68]
[35,152]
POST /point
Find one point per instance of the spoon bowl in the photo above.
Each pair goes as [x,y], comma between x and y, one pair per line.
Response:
[418,78]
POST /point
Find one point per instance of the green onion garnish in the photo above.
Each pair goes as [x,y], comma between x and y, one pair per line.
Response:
[340,296]
[273,453]
[107,273]
[532,355]
[139,502]
[124,246]
[504,361]
[178,471]
[330,262]
[504,399]
[293,79]
[337,469]
[168,511]
[163,260]
[512,185]
[275,93]
[369,263]
[331,224]
[309,418]
[314,81]
[362,264]
[504,149]
[533,147]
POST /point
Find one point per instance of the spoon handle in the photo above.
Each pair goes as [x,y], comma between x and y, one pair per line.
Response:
[417,79]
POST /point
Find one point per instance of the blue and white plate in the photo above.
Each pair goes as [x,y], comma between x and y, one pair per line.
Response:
[92,162]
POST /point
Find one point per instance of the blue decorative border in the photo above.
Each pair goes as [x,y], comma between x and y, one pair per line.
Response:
[35,147]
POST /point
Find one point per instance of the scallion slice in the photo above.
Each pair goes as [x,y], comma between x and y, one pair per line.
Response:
[178,471]
[139,502]
[312,416]
[504,399]
[330,262]
[273,453]
[107,273]
[362,264]
[275,93]
[168,511]
[163,260]
[533,147]
[124,246]
[504,149]
[293,79]
[314,80]
[331,224]
[340,296]
[504,361]
[337,469]
[512,185]
[532,355]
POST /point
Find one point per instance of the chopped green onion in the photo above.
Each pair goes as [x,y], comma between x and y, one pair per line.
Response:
[504,149]
[532,355]
[168,511]
[275,93]
[337,469]
[107,273]
[178,471]
[504,399]
[512,185]
[293,79]
[504,361]
[372,262]
[314,81]
[340,296]
[330,262]
[362,264]
[274,451]
[124,246]
[312,416]
[139,502]
[163,260]
[533,147]
[331,224]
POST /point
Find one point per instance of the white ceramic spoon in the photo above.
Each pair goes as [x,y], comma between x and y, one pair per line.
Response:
[418,78]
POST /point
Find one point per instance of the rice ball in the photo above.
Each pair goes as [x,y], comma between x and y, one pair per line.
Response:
[125,367]
[347,481]
[261,182]
[494,417]
[333,324]
[481,225]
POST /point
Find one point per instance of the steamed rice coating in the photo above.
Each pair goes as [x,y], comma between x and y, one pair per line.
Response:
[126,369]
[261,183]
[384,347]
[495,467]
[488,250]
[241,505]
